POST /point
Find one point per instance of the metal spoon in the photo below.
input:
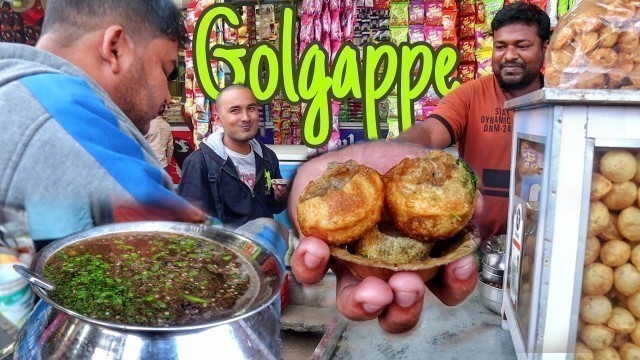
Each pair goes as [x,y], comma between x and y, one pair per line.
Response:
[32,277]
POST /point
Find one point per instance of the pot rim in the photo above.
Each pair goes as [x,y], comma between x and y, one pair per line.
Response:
[259,256]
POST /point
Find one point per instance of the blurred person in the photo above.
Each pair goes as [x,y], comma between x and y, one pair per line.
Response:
[521,33]
[161,141]
[230,175]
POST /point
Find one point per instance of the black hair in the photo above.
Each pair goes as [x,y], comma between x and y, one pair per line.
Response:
[521,12]
[231,87]
[140,18]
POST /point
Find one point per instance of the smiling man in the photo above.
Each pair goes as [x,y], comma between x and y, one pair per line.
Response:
[74,111]
[230,175]
[473,116]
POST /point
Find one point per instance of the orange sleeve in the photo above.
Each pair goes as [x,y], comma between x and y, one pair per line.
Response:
[127,211]
[453,111]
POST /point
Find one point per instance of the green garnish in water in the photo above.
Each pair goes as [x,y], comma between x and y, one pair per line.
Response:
[158,281]
[194,299]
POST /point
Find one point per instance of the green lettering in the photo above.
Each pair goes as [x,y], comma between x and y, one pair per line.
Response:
[234,57]
[201,46]
[374,88]
[447,60]
[314,86]
[264,64]
[409,87]
[287,33]
[346,73]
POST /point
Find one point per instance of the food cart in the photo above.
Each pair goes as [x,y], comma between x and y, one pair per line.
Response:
[557,135]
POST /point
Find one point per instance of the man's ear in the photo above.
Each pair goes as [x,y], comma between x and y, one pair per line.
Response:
[545,45]
[113,48]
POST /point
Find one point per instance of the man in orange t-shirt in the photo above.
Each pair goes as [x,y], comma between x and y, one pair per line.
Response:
[473,115]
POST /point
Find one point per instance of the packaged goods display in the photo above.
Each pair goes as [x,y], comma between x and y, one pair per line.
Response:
[596,46]
[22,24]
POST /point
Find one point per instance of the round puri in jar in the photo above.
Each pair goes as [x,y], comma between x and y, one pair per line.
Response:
[583,352]
[629,223]
[596,337]
[626,279]
[635,256]
[615,253]
[600,186]
[618,165]
[598,218]
[595,310]
[608,353]
[432,197]
[343,204]
[592,251]
[621,196]
[630,351]
[635,334]
[611,231]
[633,304]
[597,279]
[621,321]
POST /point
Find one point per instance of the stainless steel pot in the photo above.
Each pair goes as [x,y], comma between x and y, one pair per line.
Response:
[54,332]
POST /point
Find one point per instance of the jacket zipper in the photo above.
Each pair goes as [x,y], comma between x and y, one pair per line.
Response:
[253,194]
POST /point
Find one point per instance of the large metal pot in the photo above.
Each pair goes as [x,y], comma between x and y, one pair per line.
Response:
[54,332]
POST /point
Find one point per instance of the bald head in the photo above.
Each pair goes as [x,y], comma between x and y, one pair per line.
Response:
[232,92]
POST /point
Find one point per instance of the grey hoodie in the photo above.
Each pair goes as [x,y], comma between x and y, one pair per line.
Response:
[215,143]
[66,150]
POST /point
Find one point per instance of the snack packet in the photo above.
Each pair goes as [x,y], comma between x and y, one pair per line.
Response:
[416,13]
[483,54]
[427,110]
[399,34]
[393,107]
[394,129]
[467,50]
[467,27]
[466,71]
[450,5]
[491,7]
[398,14]
[467,7]
[433,35]
[449,22]
[433,13]
[416,33]
[336,29]
[430,98]
[595,46]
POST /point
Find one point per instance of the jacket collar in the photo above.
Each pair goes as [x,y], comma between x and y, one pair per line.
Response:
[214,141]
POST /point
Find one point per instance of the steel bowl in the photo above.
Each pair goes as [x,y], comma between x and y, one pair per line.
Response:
[53,331]
[494,263]
[491,277]
[491,296]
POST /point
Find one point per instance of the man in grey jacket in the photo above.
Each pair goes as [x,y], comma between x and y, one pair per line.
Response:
[75,108]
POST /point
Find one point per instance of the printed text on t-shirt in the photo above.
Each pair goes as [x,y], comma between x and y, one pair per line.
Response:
[499,121]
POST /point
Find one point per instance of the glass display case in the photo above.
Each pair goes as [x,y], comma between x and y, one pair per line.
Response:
[571,280]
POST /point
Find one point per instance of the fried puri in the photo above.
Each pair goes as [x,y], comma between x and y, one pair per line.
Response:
[387,244]
[430,198]
[343,204]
